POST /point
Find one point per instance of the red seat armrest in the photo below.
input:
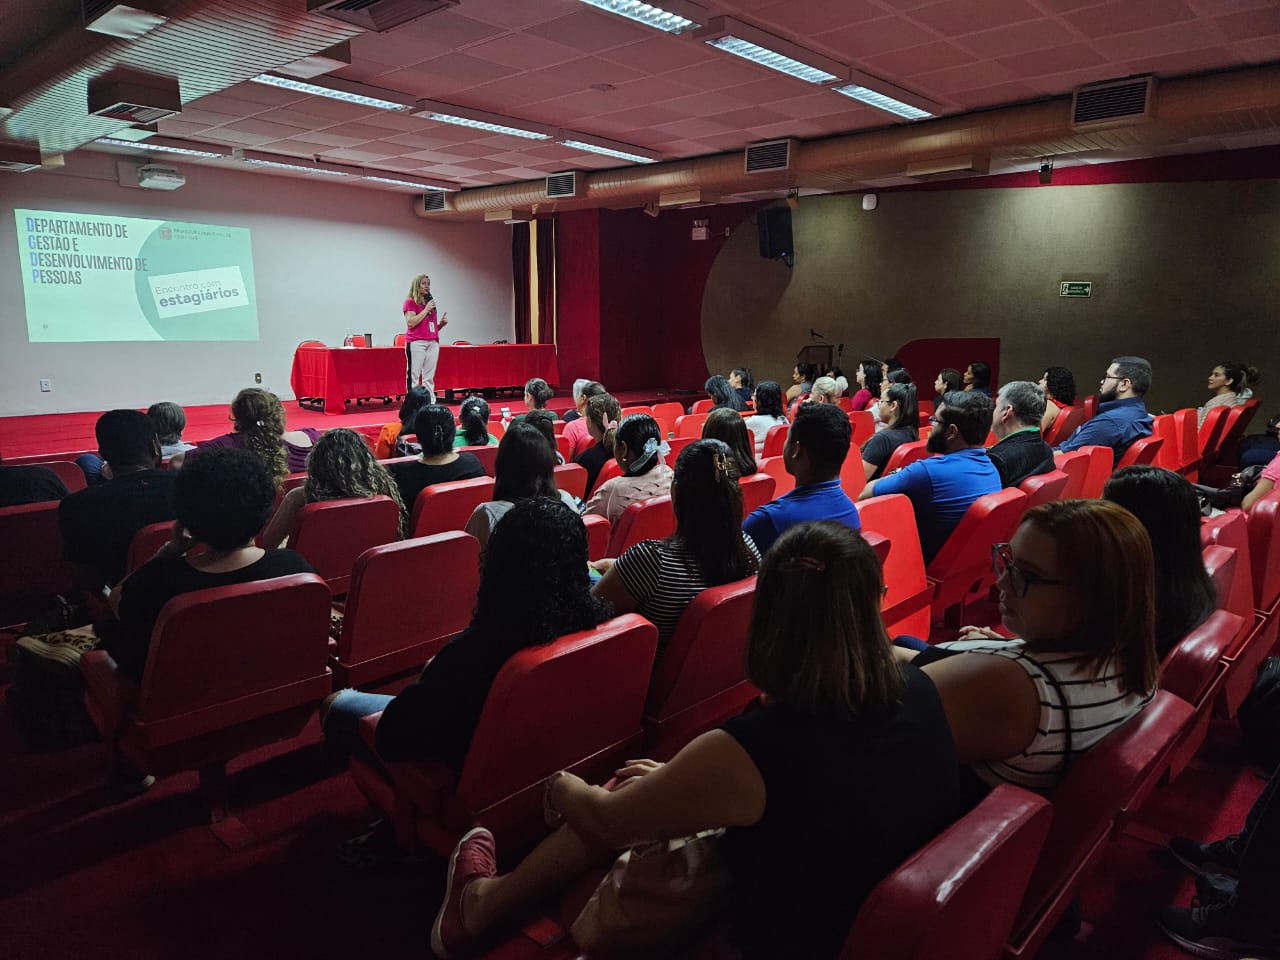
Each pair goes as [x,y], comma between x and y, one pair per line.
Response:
[109,692]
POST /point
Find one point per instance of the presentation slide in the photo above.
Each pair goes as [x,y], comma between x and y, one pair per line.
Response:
[89,278]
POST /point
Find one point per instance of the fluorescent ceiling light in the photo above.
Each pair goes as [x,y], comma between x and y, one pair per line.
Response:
[881,101]
[766,50]
[336,89]
[607,151]
[648,14]
[480,120]
[415,184]
[293,167]
[135,133]
[157,148]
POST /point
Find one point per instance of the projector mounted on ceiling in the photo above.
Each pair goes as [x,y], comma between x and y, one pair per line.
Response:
[154,176]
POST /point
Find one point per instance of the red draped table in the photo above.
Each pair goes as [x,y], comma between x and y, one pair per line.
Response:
[338,374]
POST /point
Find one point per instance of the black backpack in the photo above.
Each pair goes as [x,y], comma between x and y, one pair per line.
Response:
[1260,717]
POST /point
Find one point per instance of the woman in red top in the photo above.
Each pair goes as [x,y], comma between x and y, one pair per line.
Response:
[422,342]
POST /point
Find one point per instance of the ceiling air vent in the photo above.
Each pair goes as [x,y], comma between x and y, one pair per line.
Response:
[769,156]
[377,15]
[1112,104]
[142,100]
[125,20]
[560,185]
[433,201]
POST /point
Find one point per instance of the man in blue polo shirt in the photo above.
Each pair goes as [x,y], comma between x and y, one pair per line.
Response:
[942,488]
[1122,415]
[816,446]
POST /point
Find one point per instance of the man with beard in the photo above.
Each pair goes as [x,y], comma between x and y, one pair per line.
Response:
[1122,416]
[942,488]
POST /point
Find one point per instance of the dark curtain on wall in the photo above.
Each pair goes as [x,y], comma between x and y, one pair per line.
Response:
[547,280]
[520,279]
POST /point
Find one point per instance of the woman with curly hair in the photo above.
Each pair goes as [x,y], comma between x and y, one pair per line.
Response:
[639,448]
[731,429]
[340,468]
[1059,388]
[473,418]
[602,414]
[393,437]
[258,416]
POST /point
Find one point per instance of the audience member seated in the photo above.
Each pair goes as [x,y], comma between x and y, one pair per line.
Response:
[1076,585]
[258,416]
[977,378]
[536,394]
[393,437]
[1243,873]
[1122,416]
[731,429]
[1230,383]
[949,379]
[1020,451]
[896,375]
[743,384]
[545,423]
[824,390]
[659,578]
[816,446]
[1266,483]
[802,377]
[576,431]
[942,488]
[722,395]
[1167,505]
[170,420]
[869,376]
[900,414]
[473,421]
[439,462]
[221,499]
[847,760]
[340,468]
[768,413]
[842,383]
[1059,388]
[639,449]
[29,484]
[98,522]
[525,467]
[602,416]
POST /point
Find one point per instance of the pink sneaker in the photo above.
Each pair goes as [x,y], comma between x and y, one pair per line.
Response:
[474,856]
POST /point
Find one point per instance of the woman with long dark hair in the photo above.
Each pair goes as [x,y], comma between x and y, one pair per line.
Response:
[473,418]
[731,429]
[393,437]
[525,467]
[722,394]
[868,375]
[769,413]
[900,412]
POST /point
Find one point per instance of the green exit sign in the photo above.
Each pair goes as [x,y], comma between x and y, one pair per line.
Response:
[1075,288]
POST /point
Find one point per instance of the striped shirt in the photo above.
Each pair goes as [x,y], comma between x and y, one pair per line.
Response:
[662,577]
[1097,706]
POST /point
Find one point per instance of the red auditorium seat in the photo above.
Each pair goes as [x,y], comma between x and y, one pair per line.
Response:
[487,455]
[853,475]
[1162,426]
[1091,406]
[1044,488]
[775,440]
[31,566]
[1064,425]
[677,444]
[331,534]
[701,680]
[906,605]
[1144,450]
[379,636]
[562,447]
[845,404]
[1086,805]
[572,479]
[1194,671]
[651,519]
[952,897]
[1185,422]
[1232,530]
[557,427]
[667,414]
[1263,521]
[1076,466]
[906,453]
[783,482]
[690,425]
[357,340]
[69,473]
[610,470]
[1209,434]
[628,411]
[880,545]
[864,426]
[1101,463]
[229,669]
[520,742]
[497,428]
[597,535]
[295,480]
[448,506]
[145,543]
[963,565]
[1217,463]
[757,490]
[702,406]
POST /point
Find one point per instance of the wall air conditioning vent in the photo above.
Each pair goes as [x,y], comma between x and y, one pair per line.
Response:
[560,185]
[144,99]
[767,157]
[377,15]
[433,200]
[1112,104]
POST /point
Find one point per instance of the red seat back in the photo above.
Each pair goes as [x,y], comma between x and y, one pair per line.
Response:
[652,519]
[1187,435]
[775,440]
[964,562]
[146,542]
[677,444]
[610,470]
[757,490]
[1264,550]
[1234,428]
[628,411]
[1101,462]
[1044,487]
[487,455]
[1144,450]
[783,482]
[845,404]
[31,566]
[1076,466]
[528,729]
[572,479]
[1232,530]
[382,633]
[906,453]
[597,535]
[880,545]
[448,506]
[702,678]
[905,608]
[667,413]
[952,897]
[69,473]
[853,475]
[562,447]
[1064,424]
[224,657]
[1190,668]
[702,406]
[690,425]
[331,534]
[1209,435]
[1164,427]
[1091,406]
[1222,563]
[864,426]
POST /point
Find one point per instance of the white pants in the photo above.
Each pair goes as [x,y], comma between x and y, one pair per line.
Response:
[423,355]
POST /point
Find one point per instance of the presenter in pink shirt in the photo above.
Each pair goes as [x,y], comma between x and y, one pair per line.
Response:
[422,342]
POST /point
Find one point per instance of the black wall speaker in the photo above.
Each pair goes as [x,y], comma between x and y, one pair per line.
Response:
[775,234]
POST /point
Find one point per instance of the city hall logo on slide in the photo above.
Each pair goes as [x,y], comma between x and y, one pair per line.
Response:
[198,291]
[165,233]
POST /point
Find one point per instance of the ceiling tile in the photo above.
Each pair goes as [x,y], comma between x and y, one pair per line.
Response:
[984,73]
[1174,38]
[448,30]
[918,60]
[272,131]
[724,70]
[467,68]
[876,37]
[1127,16]
[1262,50]
[991,96]
[650,116]
[522,51]
[816,16]
[1019,38]
[586,71]
[820,104]
[954,18]
[1190,61]
[523,173]
[660,54]
[591,31]
[1075,56]
[1250,24]
[517,14]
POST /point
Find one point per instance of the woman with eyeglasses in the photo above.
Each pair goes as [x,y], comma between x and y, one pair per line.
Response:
[1076,586]
[900,411]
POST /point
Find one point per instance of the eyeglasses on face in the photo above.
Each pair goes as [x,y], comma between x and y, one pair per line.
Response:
[1111,376]
[933,419]
[1020,580]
